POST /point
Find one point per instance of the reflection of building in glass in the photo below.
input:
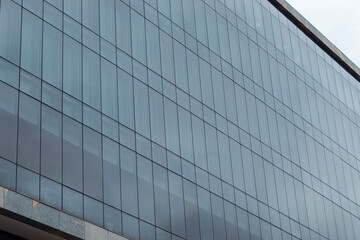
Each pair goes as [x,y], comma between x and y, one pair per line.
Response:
[175,119]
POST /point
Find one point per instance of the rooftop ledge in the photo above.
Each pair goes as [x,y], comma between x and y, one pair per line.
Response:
[316,36]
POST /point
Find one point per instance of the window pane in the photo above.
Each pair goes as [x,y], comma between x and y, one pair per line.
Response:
[205,214]
[109,89]
[186,141]
[126,101]
[142,121]
[72,202]
[180,66]
[145,189]
[50,193]
[93,211]
[161,191]
[29,133]
[72,67]
[51,130]
[27,183]
[111,172]
[107,20]
[138,37]
[112,219]
[212,29]
[92,164]
[130,226]
[171,125]
[8,122]
[123,35]
[167,62]
[72,154]
[73,9]
[10,20]
[153,47]
[90,14]
[157,118]
[52,56]
[7,174]
[91,78]
[177,205]
[128,181]
[31,43]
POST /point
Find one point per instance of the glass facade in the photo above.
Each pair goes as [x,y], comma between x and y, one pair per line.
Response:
[169,119]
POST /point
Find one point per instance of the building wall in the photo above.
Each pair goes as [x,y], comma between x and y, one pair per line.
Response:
[178,119]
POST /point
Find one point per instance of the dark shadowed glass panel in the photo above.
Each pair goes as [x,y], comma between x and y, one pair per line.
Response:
[31,43]
[205,214]
[145,189]
[111,172]
[72,154]
[8,122]
[7,174]
[50,193]
[177,205]
[93,211]
[72,202]
[191,211]
[27,183]
[92,164]
[51,129]
[230,221]
[29,133]
[129,194]
[218,217]
[10,21]
[52,56]
[161,191]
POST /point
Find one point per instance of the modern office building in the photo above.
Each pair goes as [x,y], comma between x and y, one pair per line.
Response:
[175,119]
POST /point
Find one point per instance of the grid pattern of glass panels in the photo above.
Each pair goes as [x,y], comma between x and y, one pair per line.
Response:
[169,119]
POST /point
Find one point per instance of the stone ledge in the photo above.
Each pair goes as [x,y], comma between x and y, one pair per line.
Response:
[48,219]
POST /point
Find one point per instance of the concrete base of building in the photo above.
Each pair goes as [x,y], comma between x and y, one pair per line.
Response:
[30,219]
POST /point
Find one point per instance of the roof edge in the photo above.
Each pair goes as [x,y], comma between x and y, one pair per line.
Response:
[316,36]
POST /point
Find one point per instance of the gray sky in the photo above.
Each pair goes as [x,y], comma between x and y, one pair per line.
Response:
[338,20]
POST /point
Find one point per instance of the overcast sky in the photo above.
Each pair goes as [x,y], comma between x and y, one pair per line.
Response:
[338,20]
